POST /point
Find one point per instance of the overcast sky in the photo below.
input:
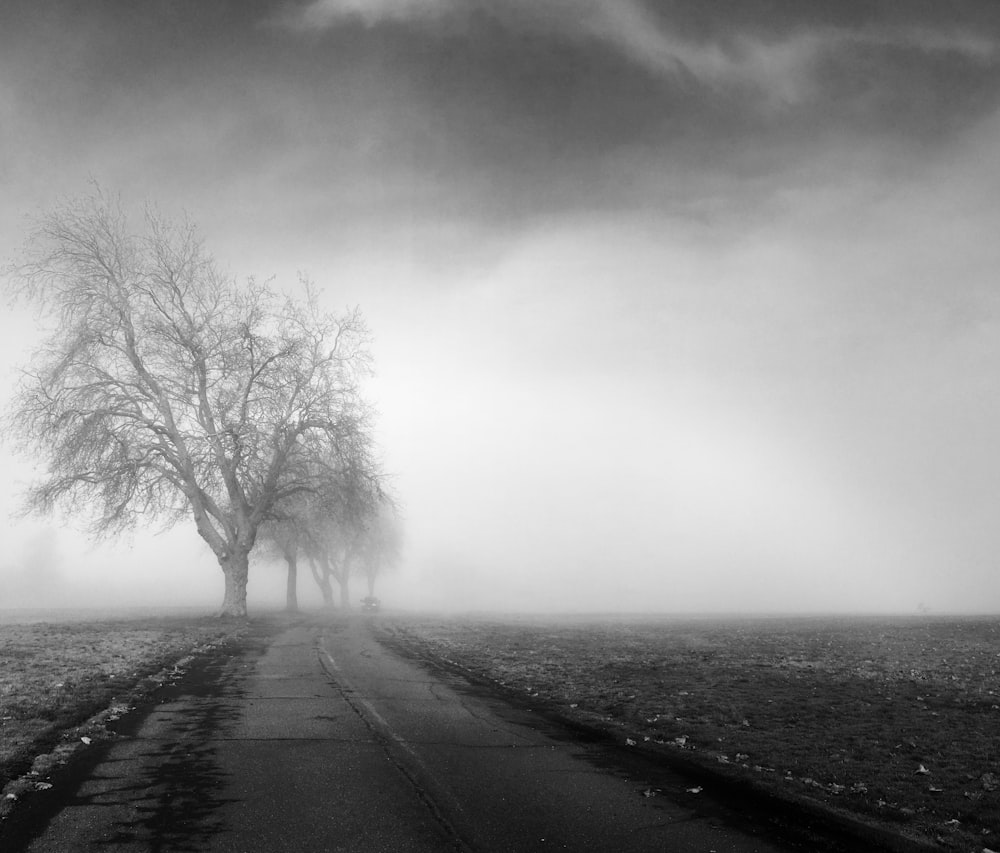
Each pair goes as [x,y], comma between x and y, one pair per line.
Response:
[679,305]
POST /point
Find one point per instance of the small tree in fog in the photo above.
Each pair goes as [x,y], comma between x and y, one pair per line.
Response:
[166,390]
[280,539]
[313,521]
[380,544]
[330,561]
[338,517]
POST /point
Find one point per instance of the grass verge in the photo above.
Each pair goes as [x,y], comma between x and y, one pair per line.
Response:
[56,676]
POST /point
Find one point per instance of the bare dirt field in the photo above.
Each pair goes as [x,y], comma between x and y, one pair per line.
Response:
[55,676]
[894,720]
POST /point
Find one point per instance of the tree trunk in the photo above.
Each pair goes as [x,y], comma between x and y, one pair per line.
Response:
[345,594]
[235,567]
[327,589]
[291,594]
[371,584]
[323,581]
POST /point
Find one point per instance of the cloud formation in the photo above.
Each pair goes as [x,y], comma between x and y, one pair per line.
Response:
[781,65]
[323,14]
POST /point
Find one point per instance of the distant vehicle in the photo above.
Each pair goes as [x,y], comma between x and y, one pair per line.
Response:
[370,604]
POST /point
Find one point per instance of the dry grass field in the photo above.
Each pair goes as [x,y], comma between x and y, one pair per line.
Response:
[896,720]
[55,675]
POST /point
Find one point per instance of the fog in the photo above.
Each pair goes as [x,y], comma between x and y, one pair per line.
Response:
[676,310]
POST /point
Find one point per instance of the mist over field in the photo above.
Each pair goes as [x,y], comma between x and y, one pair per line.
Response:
[678,307]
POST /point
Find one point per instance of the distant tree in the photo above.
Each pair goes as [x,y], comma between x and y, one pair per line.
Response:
[329,561]
[280,538]
[167,390]
[380,544]
[339,516]
[290,551]
[314,522]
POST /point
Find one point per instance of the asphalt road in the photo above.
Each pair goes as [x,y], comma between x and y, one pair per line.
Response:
[319,739]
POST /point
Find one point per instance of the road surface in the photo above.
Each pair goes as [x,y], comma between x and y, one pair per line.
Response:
[317,738]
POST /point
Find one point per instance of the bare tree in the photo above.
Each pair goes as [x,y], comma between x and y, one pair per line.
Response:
[380,544]
[316,521]
[280,538]
[166,390]
[356,537]
[329,561]
[338,517]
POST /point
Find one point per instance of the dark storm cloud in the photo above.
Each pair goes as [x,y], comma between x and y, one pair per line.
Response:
[459,109]
[576,103]
[780,52]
